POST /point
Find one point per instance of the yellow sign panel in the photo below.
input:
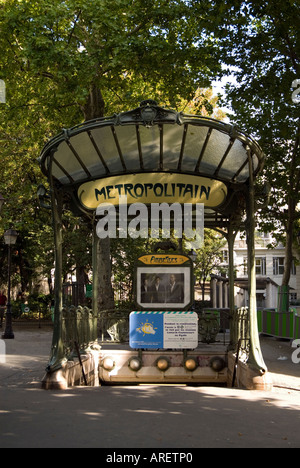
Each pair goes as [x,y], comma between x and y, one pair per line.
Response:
[153,187]
[163,259]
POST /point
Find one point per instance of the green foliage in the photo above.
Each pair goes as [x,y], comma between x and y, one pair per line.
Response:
[64,62]
[209,257]
[260,45]
[38,305]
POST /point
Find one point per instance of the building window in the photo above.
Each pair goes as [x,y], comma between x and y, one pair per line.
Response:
[225,256]
[260,266]
[278,266]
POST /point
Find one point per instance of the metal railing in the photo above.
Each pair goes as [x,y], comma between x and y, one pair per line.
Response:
[114,325]
[240,332]
[81,329]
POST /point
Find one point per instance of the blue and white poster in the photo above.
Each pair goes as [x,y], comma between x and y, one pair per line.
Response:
[146,330]
[163,330]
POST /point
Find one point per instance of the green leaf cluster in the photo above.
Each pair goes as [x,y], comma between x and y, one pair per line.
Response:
[64,62]
[259,43]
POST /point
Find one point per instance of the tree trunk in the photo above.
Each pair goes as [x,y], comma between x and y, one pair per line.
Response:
[105,290]
[82,280]
[289,244]
[293,198]
[93,109]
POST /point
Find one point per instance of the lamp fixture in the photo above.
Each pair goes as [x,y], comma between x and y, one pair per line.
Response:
[10,237]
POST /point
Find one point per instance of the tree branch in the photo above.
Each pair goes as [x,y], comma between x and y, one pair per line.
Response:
[73,29]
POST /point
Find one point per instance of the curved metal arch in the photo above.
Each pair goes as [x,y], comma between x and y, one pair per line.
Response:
[150,139]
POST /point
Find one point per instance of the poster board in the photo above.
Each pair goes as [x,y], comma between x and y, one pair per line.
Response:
[164,282]
[163,330]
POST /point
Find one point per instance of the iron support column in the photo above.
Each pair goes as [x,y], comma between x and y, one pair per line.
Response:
[255,356]
[57,351]
[231,239]
[95,282]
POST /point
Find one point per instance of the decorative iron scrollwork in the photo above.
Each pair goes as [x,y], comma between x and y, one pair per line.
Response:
[147,114]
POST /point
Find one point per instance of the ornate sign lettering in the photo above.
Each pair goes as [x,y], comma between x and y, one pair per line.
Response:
[153,188]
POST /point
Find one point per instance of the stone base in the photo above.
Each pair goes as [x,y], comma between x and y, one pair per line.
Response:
[71,374]
[175,373]
[247,377]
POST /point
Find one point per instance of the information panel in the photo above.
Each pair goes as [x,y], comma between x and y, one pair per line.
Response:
[163,330]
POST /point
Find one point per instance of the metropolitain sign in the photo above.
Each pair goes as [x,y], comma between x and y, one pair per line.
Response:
[151,188]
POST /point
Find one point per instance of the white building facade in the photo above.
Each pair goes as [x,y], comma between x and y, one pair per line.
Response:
[269,271]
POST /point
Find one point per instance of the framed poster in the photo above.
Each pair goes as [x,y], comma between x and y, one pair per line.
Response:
[164,282]
[163,330]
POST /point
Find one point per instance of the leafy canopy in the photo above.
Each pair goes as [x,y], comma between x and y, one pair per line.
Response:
[67,61]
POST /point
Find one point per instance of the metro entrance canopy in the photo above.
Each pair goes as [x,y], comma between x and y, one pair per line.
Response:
[96,160]
[152,154]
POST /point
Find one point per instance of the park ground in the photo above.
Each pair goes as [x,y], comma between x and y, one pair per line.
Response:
[148,416]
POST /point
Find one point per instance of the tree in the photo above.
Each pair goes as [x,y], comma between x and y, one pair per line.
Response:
[94,55]
[209,257]
[125,252]
[65,62]
[260,45]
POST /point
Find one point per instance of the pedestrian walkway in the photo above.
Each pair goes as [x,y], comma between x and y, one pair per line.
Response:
[148,416]
[278,358]
[27,356]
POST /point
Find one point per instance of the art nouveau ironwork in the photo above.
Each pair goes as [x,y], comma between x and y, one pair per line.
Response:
[154,140]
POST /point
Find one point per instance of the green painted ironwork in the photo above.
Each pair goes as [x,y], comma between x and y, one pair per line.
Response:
[240,330]
[114,324]
[80,324]
[255,355]
[209,326]
[58,355]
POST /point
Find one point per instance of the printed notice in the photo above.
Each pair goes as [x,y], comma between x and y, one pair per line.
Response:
[181,330]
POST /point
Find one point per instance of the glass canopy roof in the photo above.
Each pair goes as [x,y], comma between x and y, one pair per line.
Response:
[151,139]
